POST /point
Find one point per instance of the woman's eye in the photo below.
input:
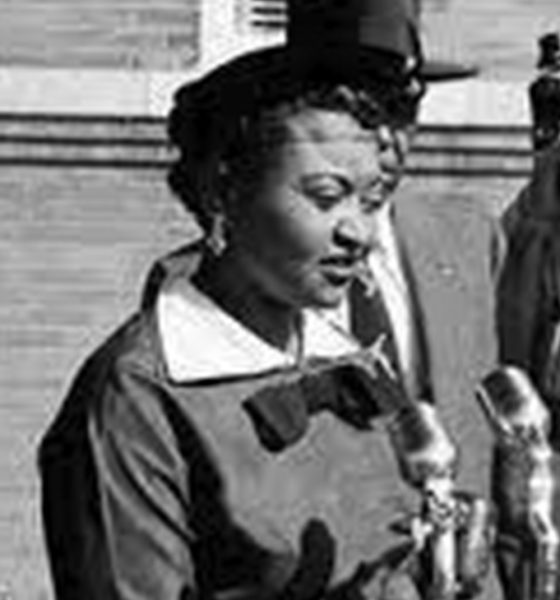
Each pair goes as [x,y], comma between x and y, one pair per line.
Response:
[324,190]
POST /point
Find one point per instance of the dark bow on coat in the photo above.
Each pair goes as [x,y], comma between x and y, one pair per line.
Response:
[356,388]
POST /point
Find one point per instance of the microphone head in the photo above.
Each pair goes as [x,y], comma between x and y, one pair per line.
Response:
[509,398]
[423,447]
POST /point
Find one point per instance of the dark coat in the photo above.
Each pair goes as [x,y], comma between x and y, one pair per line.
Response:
[166,479]
[158,486]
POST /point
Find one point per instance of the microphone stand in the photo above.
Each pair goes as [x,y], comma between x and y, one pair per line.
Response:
[428,462]
[521,426]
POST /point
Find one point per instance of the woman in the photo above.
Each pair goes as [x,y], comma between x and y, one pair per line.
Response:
[186,462]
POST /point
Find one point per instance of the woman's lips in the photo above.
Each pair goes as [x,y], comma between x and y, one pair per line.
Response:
[339,270]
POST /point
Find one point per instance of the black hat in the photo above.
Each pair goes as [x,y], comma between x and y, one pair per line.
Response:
[375,38]
[374,42]
[338,32]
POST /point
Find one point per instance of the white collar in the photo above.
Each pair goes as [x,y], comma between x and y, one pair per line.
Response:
[201,341]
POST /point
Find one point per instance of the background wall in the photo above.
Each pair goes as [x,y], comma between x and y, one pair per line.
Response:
[84,210]
[161,34]
[74,246]
[498,35]
[134,34]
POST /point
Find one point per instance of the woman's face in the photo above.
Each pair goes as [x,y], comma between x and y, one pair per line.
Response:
[303,234]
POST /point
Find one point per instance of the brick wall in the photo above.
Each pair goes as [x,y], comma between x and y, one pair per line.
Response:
[75,244]
[136,34]
[161,34]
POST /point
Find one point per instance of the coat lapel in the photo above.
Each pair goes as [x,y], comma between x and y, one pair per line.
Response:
[422,373]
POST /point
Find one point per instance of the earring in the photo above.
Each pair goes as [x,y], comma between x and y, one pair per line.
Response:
[216,239]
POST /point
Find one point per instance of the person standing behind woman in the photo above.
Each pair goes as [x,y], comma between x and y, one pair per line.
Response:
[221,443]
[526,270]
[527,246]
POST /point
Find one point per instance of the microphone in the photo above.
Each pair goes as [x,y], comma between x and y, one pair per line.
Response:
[512,405]
[522,479]
[428,461]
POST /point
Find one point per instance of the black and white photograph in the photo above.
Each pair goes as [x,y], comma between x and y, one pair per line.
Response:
[279,300]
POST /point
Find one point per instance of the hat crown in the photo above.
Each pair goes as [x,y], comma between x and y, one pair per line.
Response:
[347,25]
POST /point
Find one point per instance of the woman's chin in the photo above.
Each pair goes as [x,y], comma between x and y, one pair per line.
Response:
[327,297]
[312,292]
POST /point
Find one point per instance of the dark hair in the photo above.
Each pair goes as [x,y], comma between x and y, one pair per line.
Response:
[218,122]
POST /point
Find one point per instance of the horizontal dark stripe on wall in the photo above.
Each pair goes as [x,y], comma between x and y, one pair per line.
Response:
[141,143]
[420,171]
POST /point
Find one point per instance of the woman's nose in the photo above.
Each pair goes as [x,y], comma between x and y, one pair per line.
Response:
[353,232]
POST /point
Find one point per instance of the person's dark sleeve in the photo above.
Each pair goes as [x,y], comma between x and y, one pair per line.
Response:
[127,534]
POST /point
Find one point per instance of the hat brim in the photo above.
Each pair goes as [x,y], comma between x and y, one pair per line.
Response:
[268,73]
[434,71]
[370,64]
